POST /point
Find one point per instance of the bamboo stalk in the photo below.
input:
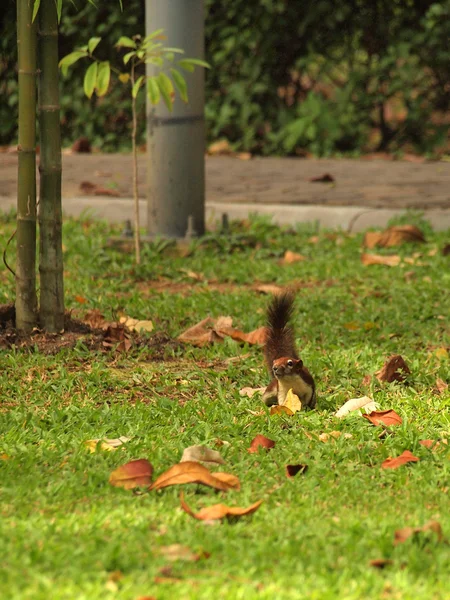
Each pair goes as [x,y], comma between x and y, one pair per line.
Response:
[26,301]
[50,209]
[137,233]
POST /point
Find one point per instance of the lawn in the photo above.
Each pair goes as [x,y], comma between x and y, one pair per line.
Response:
[68,534]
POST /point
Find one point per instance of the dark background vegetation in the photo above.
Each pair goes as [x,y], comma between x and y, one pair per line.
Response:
[314,76]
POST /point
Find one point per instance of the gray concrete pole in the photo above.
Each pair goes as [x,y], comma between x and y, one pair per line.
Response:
[176,141]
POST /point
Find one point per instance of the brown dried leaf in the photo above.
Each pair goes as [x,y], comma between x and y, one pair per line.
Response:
[136,324]
[268,288]
[441,386]
[377,259]
[277,409]
[398,461]
[258,336]
[189,472]
[106,444]
[133,474]
[201,454]
[260,441]
[250,392]
[401,535]
[231,480]
[219,147]
[95,319]
[291,257]
[429,443]
[384,417]
[394,369]
[219,511]
[175,552]
[380,563]
[293,470]
[394,236]
[325,178]
[446,250]
[200,334]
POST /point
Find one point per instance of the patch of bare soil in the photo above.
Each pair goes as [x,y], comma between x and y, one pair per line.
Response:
[107,338]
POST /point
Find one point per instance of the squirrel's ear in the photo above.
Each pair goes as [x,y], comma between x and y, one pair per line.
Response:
[300,363]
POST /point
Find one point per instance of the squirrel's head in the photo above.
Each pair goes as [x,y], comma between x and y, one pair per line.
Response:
[285,367]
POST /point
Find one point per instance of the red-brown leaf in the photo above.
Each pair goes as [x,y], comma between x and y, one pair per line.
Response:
[325,178]
[293,470]
[133,474]
[383,417]
[398,461]
[401,535]
[394,369]
[380,563]
[219,511]
[193,472]
[260,441]
[258,336]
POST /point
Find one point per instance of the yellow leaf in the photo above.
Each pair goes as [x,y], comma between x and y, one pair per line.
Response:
[107,444]
[351,326]
[124,77]
[280,410]
[292,402]
[441,353]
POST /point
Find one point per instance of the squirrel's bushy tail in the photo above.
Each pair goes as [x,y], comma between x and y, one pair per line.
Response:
[280,334]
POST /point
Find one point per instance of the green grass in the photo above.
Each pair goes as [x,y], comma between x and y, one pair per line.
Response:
[65,532]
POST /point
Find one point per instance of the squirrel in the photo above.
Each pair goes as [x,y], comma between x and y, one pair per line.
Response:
[282,358]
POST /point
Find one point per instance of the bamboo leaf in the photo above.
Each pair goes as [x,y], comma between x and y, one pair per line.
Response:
[193,62]
[126,42]
[36,6]
[176,50]
[155,60]
[153,92]
[166,89]
[90,79]
[184,64]
[70,59]
[180,84]
[128,55]
[93,43]
[153,35]
[136,86]
[103,77]
[59,9]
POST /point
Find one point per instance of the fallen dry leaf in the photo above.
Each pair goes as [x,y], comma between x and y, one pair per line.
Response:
[260,441]
[401,535]
[201,454]
[106,444]
[136,324]
[201,334]
[354,404]
[429,443]
[258,336]
[243,155]
[220,147]
[175,552]
[380,563]
[268,288]
[398,461]
[293,470]
[231,480]
[133,474]
[441,386]
[250,392]
[324,437]
[377,259]
[325,178]
[117,337]
[219,511]
[291,257]
[441,353]
[95,319]
[384,417]
[277,409]
[190,472]
[394,369]
[292,402]
[446,250]
[393,236]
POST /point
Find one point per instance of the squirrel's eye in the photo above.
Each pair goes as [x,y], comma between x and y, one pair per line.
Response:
[289,363]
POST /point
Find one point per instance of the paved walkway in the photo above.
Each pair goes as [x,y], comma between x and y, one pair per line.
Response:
[362,193]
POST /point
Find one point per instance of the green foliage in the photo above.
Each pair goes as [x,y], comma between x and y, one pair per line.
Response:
[378,70]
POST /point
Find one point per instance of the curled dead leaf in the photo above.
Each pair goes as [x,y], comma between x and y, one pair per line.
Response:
[398,461]
[260,441]
[441,386]
[250,392]
[401,535]
[291,257]
[394,369]
[393,236]
[293,470]
[201,334]
[384,417]
[136,473]
[258,336]
[292,402]
[277,409]
[378,259]
[191,472]
[219,511]
[201,454]
[354,404]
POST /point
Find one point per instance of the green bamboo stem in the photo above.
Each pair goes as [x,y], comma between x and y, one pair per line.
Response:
[50,209]
[26,301]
